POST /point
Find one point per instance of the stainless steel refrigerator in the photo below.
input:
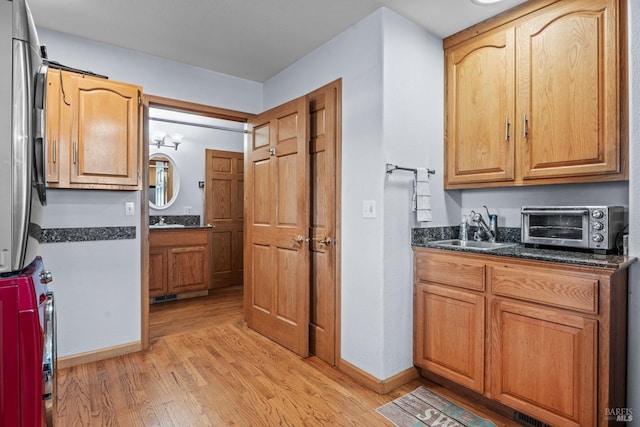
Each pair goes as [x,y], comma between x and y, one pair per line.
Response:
[23,81]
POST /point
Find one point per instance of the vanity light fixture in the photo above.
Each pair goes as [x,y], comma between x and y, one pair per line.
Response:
[485,2]
[162,139]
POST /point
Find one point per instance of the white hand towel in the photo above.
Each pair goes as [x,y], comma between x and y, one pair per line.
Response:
[422,175]
[423,196]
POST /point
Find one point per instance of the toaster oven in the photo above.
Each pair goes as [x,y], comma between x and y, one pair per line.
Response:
[586,227]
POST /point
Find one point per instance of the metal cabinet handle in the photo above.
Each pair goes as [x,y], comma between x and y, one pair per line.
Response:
[506,129]
[524,126]
[54,151]
[75,150]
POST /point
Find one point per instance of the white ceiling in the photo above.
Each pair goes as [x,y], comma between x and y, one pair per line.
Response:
[251,39]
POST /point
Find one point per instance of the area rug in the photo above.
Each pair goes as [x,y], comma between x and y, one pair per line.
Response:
[422,407]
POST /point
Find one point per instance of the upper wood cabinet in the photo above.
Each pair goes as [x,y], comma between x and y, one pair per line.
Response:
[480,109]
[53,126]
[537,99]
[93,133]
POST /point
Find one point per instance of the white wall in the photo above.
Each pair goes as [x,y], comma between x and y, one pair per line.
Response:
[157,76]
[413,131]
[633,374]
[97,284]
[506,202]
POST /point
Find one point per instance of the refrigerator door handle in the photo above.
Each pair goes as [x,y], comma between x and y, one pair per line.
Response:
[40,149]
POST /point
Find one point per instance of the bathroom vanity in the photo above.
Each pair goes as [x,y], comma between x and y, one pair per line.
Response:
[179,260]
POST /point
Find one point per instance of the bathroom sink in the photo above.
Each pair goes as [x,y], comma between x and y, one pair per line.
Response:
[472,244]
[161,226]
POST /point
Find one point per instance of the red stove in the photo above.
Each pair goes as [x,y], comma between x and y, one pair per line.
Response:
[27,347]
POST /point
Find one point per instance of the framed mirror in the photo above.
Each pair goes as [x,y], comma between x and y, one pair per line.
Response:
[164,181]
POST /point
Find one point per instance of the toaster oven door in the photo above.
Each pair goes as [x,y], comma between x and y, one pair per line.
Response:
[555,227]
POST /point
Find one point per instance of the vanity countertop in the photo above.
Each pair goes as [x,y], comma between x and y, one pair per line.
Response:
[177,227]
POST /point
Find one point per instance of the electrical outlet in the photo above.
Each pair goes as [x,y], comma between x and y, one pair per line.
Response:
[129,208]
[187,210]
[368,209]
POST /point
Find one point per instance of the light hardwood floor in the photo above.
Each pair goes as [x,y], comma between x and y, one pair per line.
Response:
[206,368]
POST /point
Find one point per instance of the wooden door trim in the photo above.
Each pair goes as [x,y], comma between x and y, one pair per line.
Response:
[179,106]
[199,109]
[336,87]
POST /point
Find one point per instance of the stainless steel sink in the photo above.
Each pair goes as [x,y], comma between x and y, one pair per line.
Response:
[163,226]
[472,244]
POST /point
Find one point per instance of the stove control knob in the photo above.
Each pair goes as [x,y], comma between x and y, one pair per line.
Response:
[597,225]
[598,238]
[597,214]
[46,276]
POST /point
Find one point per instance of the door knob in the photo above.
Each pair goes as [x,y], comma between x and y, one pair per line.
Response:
[325,240]
[300,239]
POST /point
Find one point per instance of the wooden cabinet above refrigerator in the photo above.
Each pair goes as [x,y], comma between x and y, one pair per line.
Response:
[93,133]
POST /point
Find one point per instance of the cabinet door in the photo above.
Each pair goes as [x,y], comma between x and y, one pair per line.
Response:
[188,269]
[544,363]
[157,272]
[104,132]
[449,334]
[568,90]
[53,126]
[480,110]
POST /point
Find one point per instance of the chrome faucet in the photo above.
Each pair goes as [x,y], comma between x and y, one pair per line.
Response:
[161,221]
[484,231]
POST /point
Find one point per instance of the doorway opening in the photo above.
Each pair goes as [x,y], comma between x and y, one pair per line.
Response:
[187,266]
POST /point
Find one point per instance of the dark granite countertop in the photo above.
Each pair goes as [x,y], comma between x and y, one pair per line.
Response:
[186,227]
[425,238]
[521,251]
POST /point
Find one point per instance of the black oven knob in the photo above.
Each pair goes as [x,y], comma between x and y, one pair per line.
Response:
[597,225]
[598,238]
[597,214]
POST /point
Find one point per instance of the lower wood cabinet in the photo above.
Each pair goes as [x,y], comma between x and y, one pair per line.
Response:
[453,344]
[179,261]
[545,339]
[544,363]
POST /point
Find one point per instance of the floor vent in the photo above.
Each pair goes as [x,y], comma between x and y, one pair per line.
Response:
[527,420]
[164,298]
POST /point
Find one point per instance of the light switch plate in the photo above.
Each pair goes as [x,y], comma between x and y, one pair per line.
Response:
[368,209]
[129,208]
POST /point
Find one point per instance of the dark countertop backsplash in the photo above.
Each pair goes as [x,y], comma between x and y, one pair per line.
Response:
[186,220]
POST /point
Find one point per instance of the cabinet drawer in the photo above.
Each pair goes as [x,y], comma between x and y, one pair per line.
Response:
[179,237]
[450,270]
[559,289]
